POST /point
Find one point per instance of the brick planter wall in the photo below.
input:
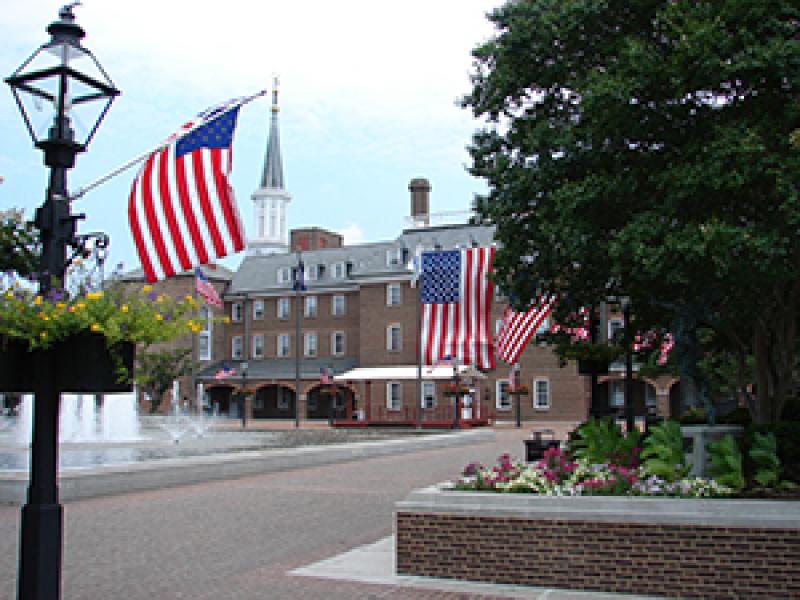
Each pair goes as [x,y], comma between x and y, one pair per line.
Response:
[672,547]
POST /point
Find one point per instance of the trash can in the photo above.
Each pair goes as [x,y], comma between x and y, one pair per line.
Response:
[538,443]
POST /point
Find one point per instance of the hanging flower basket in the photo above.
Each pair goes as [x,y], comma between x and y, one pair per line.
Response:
[80,363]
[453,390]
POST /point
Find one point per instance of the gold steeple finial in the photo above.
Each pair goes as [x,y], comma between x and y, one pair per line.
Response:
[275,94]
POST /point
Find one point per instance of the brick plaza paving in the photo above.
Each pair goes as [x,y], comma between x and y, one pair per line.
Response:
[239,539]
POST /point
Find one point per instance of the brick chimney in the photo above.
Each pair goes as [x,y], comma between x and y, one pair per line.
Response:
[420,189]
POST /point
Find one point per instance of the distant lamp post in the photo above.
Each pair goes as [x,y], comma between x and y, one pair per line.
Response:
[243,406]
[63,94]
[517,390]
[630,419]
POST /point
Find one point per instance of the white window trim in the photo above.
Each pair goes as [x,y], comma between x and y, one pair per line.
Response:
[306,346]
[389,329]
[390,385]
[237,342]
[237,312]
[428,385]
[333,343]
[394,256]
[535,393]
[258,353]
[284,274]
[258,310]
[389,287]
[310,301]
[339,270]
[204,335]
[278,352]
[333,305]
[284,302]
[498,388]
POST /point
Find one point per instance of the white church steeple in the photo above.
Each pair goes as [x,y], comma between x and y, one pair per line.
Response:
[271,234]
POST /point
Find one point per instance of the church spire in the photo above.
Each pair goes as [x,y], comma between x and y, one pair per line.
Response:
[271,199]
[272,176]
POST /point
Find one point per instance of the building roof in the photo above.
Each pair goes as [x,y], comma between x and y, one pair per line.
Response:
[272,174]
[213,272]
[277,369]
[387,260]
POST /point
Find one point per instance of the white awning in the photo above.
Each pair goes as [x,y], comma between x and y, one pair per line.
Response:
[407,372]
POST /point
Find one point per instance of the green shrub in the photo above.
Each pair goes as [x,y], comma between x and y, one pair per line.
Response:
[600,441]
[662,452]
[726,462]
[787,438]
[764,458]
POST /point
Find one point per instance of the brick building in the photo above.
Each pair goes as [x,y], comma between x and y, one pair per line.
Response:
[357,324]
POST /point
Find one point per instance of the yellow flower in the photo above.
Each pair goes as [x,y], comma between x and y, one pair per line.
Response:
[80,305]
[94,295]
[188,298]
[95,327]
[9,295]
[147,288]
[159,317]
[160,298]
[61,306]
[124,308]
[44,317]
[37,301]
[42,334]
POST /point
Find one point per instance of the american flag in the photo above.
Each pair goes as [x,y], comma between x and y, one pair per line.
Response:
[224,372]
[518,327]
[456,298]
[181,209]
[205,289]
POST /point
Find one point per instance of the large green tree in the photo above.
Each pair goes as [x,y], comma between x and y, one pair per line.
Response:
[642,149]
[19,244]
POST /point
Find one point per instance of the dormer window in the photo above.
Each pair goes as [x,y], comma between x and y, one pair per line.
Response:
[394,256]
[284,275]
[339,270]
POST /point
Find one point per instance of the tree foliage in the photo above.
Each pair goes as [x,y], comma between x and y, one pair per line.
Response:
[156,370]
[642,149]
[19,244]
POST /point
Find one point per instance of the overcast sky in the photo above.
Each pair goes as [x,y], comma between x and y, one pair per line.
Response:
[368,93]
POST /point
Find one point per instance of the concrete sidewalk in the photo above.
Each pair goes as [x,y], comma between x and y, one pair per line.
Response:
[375,563]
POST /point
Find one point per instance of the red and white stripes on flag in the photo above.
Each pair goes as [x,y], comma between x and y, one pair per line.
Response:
[181,209]
[518,327]
[456,297]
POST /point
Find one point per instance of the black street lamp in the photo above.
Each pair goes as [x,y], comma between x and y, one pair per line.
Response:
[63,94]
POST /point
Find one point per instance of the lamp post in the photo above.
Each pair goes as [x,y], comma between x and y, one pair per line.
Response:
[456,395]
[245,366]
[630,421]
[63,82]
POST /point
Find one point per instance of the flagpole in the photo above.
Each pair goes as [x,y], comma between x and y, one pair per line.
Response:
[124,167]
[418,408]
[297,307]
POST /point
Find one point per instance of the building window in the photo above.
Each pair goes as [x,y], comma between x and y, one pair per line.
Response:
[337,343]
[503,398]
[236,312]
[337,305]
[650,396]
[258,310]
[394,340]
[284,274]
[339,270]
[394,256]
[616,394]
[258,345]
[310,344]
[498,294]
[205,336]
[394,398]
[393,294]
[312,272]
[237,346]
[428,394]
[283,308]
[310,305]
[615,327]
[541,394]
[283,345]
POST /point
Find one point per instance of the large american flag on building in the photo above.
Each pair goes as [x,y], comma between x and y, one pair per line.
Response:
[181,209]
[517,328]
[456,297]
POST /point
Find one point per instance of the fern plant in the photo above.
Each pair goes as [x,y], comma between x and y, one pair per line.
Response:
[663,453]
[602,441]
[725,460]
[764,456]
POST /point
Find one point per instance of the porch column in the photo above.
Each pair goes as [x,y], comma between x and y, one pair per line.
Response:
[367,400]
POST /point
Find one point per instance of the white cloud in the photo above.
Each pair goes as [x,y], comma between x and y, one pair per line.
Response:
[352,234]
